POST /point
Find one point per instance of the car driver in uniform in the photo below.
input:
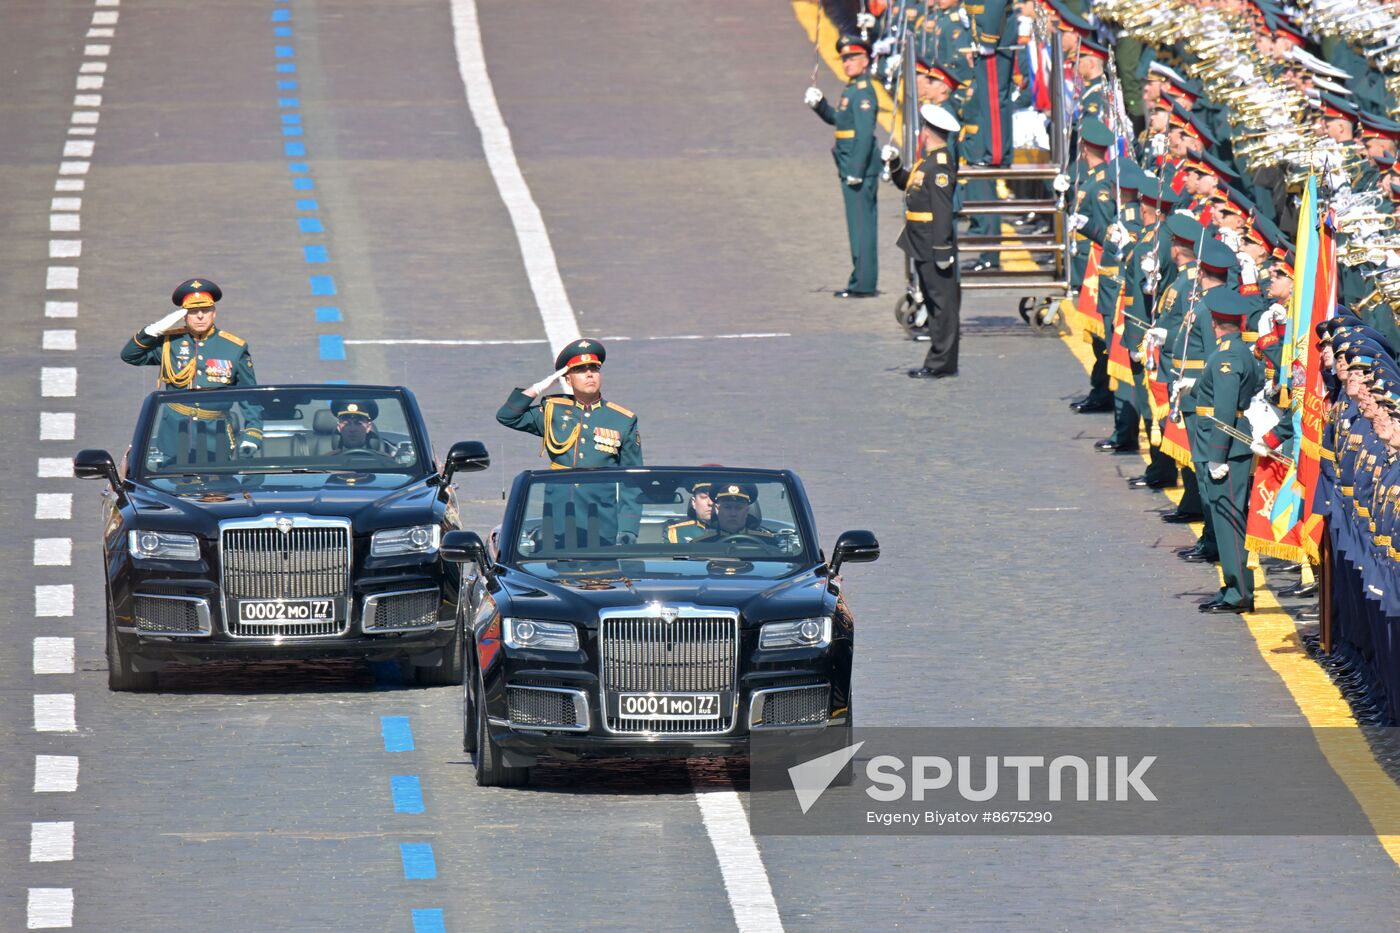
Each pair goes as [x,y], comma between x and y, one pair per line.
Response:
[732,502]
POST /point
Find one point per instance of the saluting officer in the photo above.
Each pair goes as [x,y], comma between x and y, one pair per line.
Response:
[192,354]
[856,163]
[930,237]
[579,431]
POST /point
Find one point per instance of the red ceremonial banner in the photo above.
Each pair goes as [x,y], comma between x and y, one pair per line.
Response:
[1260,534]
[1314,405]
[1176,443]
[1120,365]
[1088,321]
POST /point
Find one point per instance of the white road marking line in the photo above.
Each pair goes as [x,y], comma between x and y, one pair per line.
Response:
[90,82]
[55,774]
[78,149]
[50,908]
[62,277]
[55,468]
[97,50]
[73,168]
[53,552]
[107,3]
[58,381]
[65,249]
[101,33]
[53,600]
[55,712]
[525,342]
[87,100]
[105,19]
[69,184]
[65,223]
[82,131]
[86,116]
[66,204]
[62,308]
[50,842]
[53,506]
[60,340]
[560,324]
[53,655]
[740,865]
[92,68]
[57,425]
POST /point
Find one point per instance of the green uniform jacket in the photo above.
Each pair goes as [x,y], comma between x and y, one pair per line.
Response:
[685,531]
[1230,379]
[854,119]
[1095,201]
[576,435]
[940,38]
[1170,311]
[1093,102]
[1199,340]
[216,361]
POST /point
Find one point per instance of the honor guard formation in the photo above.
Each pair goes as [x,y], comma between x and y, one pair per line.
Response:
[1228,199]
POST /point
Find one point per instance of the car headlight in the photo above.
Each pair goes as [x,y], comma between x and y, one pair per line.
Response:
[799,633]
[162,545]
[531,633]
[420,539]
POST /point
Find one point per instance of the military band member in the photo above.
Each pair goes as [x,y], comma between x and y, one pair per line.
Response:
[194,354]
[930,237]
[581,431]
[856,162]
[1093,207]
[702,515]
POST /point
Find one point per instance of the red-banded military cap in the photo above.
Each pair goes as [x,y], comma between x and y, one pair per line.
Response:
[582,352]
[937,73]
[196,293]
[851,44]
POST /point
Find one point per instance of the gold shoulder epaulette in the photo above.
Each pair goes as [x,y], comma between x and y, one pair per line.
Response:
[862,84]
[618,408]
[233,338]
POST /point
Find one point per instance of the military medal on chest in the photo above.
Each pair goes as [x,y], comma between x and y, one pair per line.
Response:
[607,440]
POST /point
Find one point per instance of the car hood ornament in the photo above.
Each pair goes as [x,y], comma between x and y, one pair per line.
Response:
[669,613]
[284,525]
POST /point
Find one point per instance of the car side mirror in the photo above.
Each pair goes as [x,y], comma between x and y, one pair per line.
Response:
[465,547]
[857,547]
[98,464]
[465,457]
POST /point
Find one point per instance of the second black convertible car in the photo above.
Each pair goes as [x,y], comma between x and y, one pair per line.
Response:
[321,542]
[615,619]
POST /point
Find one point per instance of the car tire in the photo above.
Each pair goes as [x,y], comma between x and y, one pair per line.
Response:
[121,676]
[490,770]
[468,706]
[449,672]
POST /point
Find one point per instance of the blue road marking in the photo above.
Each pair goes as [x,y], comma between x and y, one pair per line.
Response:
[327,314]
[286,85]
[310,225]
[303,184]
[398,734]
[298,167]
[307,204]
[281,16]
[289,101]
[332,347]
[315,254]
[407,792]
[286,68]
[291,119]
[418,861]
[294,149]
[284,51]
[282,32]
[291,131]
[322,285]
[428,920]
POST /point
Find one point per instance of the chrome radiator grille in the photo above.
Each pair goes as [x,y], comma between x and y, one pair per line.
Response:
[306,561]
[687,655]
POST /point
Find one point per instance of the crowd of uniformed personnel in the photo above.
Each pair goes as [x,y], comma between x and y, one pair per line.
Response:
[1196,126]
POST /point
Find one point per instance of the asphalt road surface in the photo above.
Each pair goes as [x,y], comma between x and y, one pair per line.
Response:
[686,193]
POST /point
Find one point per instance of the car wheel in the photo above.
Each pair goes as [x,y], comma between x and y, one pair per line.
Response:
[468,707]
[449,672]
[490,771]
[121,676]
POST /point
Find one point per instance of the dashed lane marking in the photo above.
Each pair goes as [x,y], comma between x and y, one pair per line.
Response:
[60,340]
[50,842]
[55,467]
[58,381]
[50,908]
[55,774]
[53,552]
[55,712]
[53,506]
[53,655]
[53,600]
[418,861]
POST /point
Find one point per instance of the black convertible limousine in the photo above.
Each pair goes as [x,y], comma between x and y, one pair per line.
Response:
[321,543]
[678,639]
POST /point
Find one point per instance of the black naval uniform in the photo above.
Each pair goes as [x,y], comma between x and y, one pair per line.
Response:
[930,238]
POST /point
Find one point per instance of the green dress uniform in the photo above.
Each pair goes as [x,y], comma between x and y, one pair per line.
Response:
[1153,241]
[579,436]
[1094,200]
[1229,380]
[854,118]
[930,238]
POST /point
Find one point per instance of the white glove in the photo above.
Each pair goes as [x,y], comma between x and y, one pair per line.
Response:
[1273,317]
[546,382]
[986,50]
[889,153]
[1263,417]
[944,264]
[1249,272]
[1230,238]
[1182,384]
[1218,471]
[247,449]
[165,323]
[1135,356]
[813,97]
[883,47]
[1077,221]
[1260,448]
[865,21]
[892,63]
[1148,264]
[1062,183]
[853,182]
[1118,235]
[1159,144]
[1157,336]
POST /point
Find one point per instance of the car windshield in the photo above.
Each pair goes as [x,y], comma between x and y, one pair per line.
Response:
[328,431]
[706,516]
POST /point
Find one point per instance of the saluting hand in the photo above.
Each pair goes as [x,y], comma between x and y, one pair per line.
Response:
[545,383]
[165,323]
